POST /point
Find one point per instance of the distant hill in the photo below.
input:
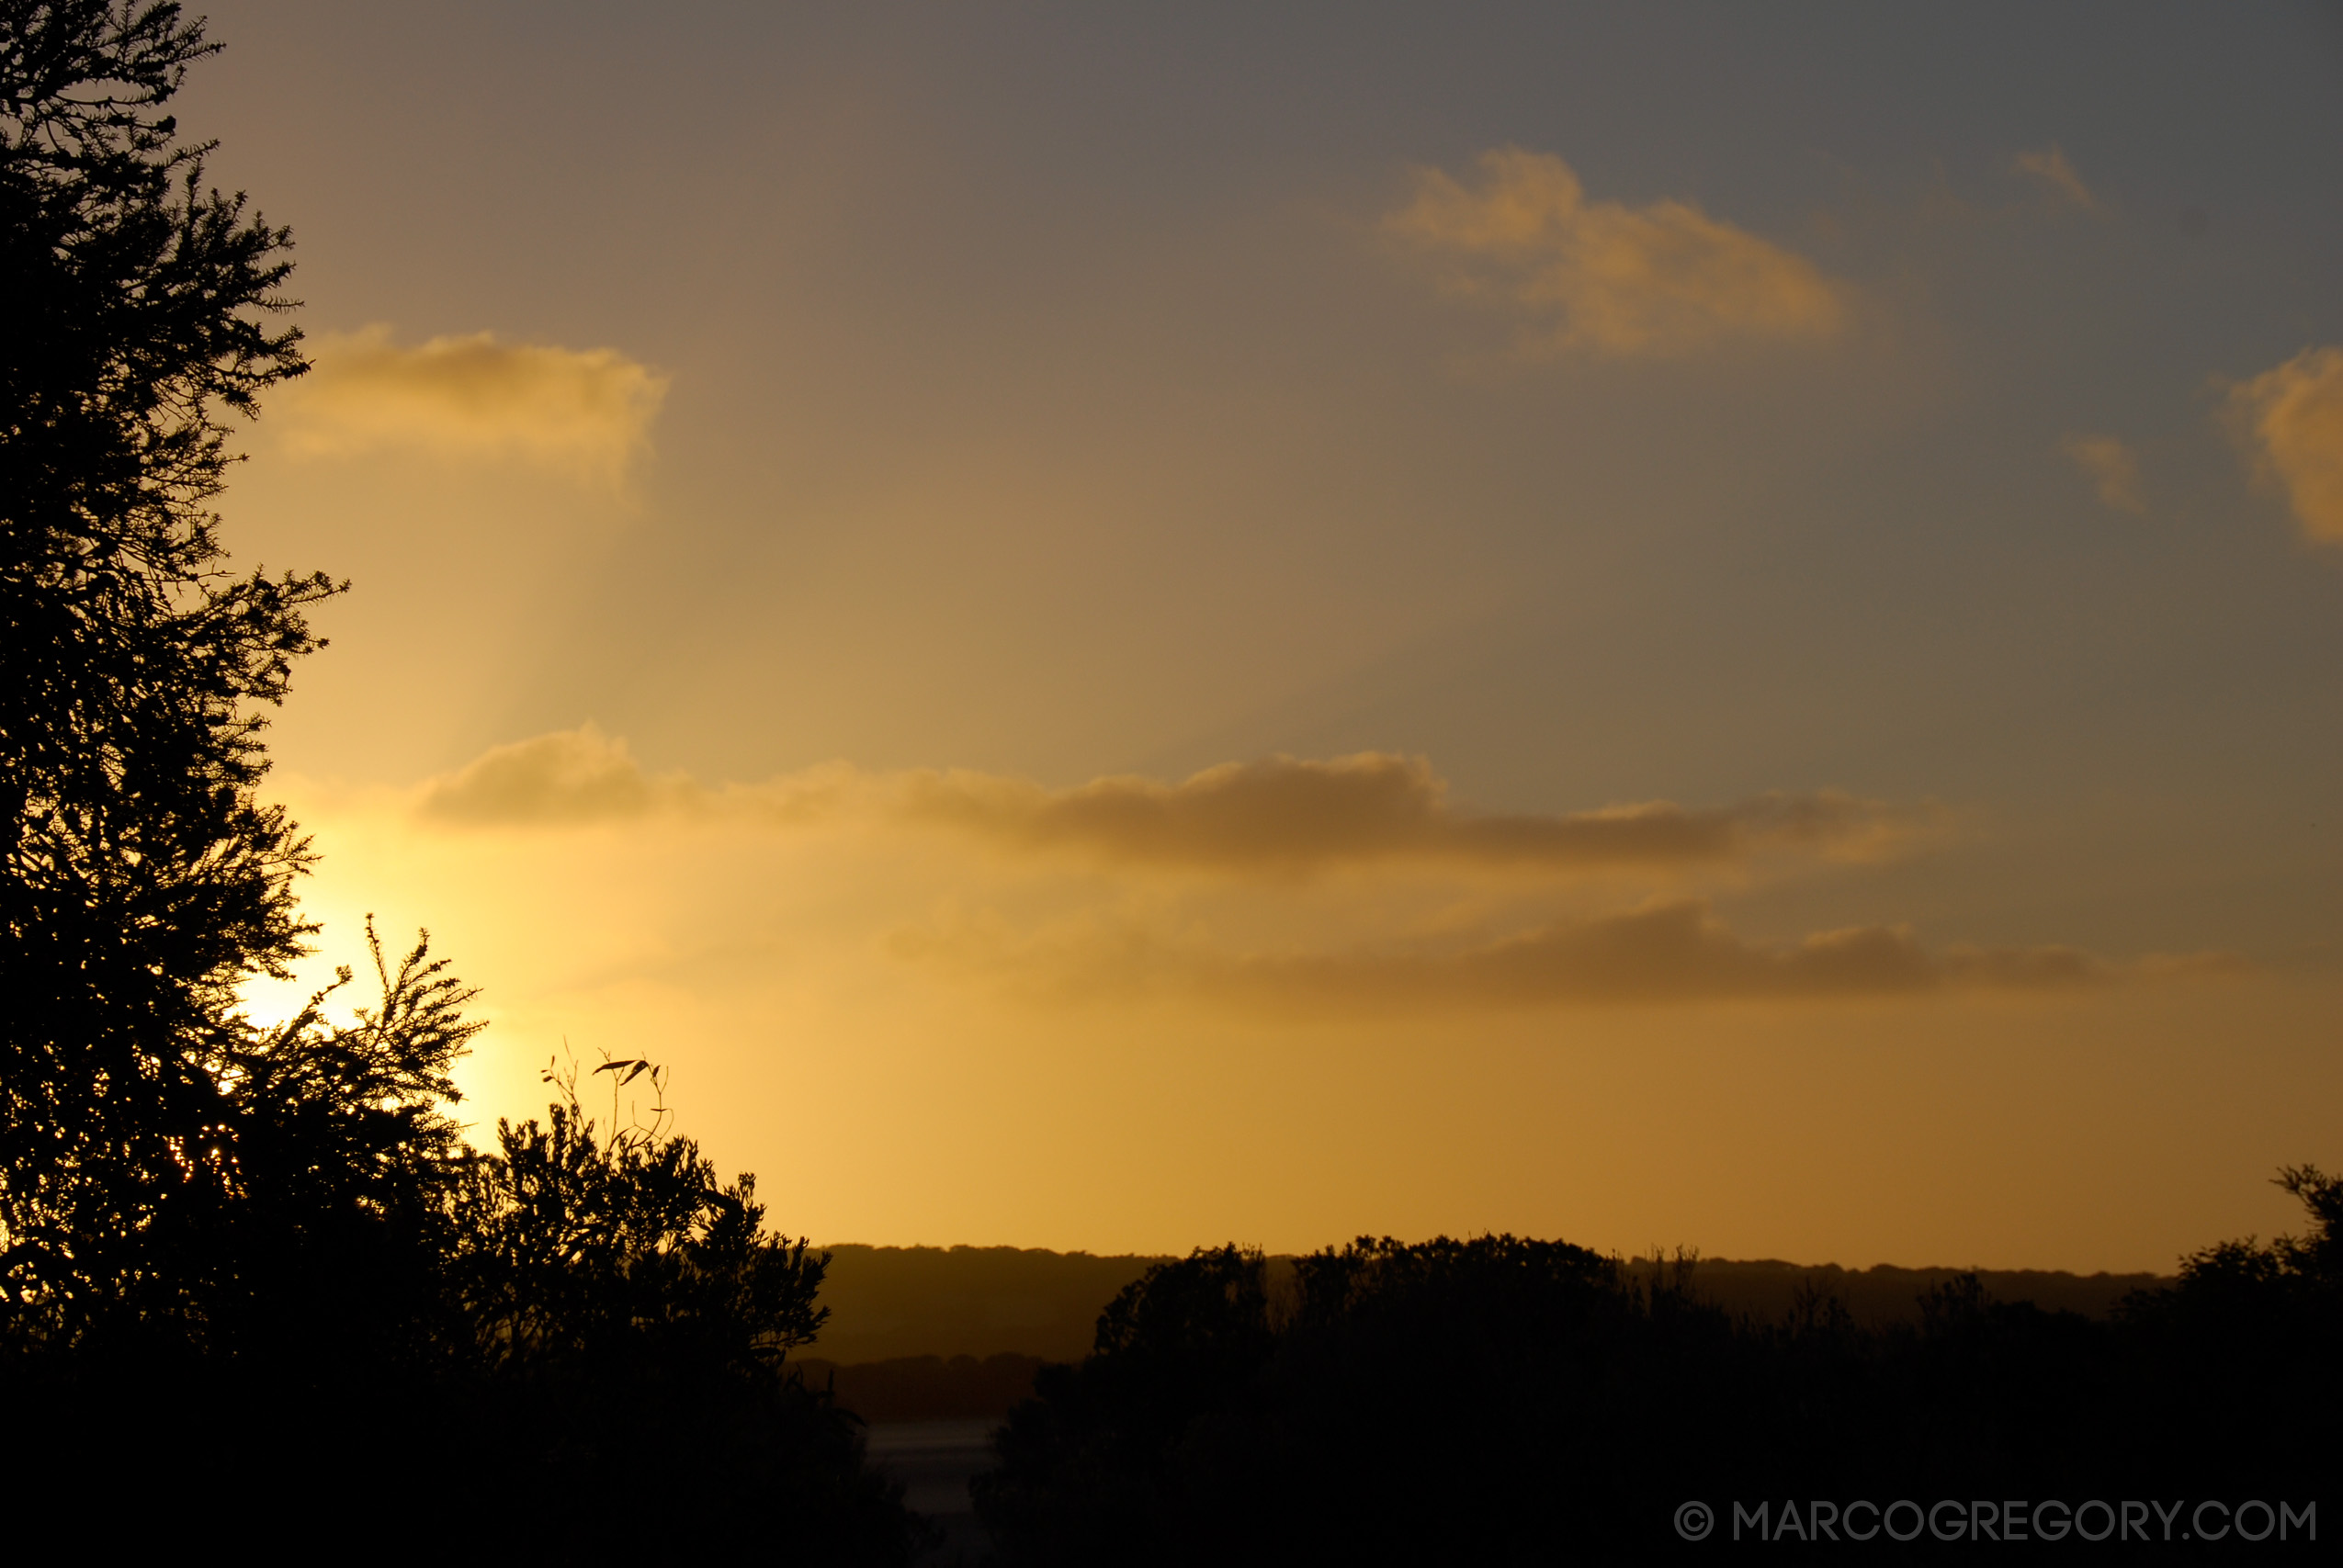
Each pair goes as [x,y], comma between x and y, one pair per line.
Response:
[891,1302]
[931,1332]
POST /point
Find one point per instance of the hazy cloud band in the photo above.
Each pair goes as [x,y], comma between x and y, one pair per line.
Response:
[1279,815]
[1671,952]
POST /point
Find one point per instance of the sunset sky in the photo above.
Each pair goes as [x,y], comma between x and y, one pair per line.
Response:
[1124,627]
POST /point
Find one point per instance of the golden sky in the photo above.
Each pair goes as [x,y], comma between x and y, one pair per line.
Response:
[1117,629]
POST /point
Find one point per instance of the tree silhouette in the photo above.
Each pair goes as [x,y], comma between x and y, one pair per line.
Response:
[141,879]
[261,1263]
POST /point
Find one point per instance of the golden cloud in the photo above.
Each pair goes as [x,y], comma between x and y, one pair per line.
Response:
[585,411]
[1280,816]
[2111,466]
[1669,952]
[2292,417]
[2058,176]
[572,776]
[1664,279]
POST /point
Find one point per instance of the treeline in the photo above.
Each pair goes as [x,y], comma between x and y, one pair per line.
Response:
[1574,1406]
[926,1333]
[1885,1292]
[893,1302]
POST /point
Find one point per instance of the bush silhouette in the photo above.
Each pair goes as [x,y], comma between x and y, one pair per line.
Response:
[628,1316]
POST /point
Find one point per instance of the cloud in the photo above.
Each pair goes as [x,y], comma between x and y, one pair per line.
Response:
[585,411]
[2113,468]
[1669,952]
[860,857]
[1289,814]
[1661,280]
[575,777]
[572,776]
[2292,418]
[2058,176]
[1280,816]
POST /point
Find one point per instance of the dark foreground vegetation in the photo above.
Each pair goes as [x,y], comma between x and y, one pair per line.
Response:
[255,1291]
[1231,1417]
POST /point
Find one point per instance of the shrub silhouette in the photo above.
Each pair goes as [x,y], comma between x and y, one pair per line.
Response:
[2246,1348]
[628,1316]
